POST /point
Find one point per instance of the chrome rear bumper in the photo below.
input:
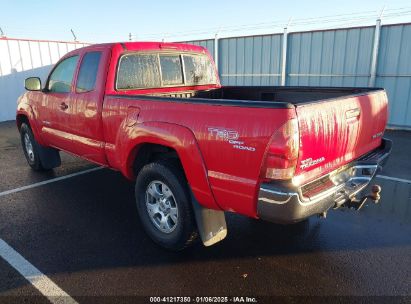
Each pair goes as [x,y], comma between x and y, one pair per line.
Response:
[288,204]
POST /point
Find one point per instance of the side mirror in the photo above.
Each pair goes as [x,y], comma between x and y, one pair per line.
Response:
[32,84]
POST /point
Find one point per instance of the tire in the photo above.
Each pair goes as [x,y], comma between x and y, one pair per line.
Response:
[39,158]
[164,205]
[30,148]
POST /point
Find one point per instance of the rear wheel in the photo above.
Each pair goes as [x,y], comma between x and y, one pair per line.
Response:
[164,205]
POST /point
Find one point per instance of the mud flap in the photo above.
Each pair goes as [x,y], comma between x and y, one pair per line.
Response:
[49,157]
[210,223]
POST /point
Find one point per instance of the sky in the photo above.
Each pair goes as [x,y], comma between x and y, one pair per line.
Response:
[107,21]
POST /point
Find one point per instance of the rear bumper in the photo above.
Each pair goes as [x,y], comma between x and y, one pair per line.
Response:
[289,204]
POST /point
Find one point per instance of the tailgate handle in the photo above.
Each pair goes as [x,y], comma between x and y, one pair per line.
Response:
[352,113]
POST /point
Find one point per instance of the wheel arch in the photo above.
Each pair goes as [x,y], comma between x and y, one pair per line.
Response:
[153,140]
[20,119]
[25,114]
[146,153]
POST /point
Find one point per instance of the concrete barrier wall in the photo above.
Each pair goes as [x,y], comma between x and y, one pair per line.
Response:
[22,58]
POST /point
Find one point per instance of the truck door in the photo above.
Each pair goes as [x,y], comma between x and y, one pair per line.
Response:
[88,140]
[60,104]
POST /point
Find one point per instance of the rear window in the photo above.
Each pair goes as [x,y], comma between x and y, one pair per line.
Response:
[198,70]
[171,70]
[138,71]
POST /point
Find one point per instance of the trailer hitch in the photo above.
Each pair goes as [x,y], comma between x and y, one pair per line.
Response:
[358,204]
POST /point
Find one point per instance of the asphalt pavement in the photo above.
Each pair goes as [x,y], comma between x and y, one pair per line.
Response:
[83,234]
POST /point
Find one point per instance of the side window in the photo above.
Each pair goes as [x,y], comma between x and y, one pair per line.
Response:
[198,70]
[62,76]
[171,69]
[86,79]
[138,71]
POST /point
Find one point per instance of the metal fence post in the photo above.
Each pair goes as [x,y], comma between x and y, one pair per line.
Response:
[374,58]
[216,53]
[284,58]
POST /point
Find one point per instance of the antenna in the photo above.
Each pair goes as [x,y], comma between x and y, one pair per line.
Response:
[74,35]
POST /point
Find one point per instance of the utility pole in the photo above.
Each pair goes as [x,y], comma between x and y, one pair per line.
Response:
[2,33]
[129,37]
[284,54]
[216,52]
[376,47]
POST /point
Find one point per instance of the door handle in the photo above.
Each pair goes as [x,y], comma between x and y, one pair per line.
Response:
[63,106]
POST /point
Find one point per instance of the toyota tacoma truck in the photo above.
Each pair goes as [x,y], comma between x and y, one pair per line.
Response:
[157,113]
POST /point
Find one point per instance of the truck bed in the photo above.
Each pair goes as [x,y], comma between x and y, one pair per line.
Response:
[293,95]
[261,96]
[337,124]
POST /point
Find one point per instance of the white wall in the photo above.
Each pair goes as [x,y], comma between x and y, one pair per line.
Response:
[22,58]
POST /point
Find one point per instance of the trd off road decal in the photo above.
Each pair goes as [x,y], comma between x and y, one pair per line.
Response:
[230,136]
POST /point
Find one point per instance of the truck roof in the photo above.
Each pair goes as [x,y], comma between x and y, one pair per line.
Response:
[137,46]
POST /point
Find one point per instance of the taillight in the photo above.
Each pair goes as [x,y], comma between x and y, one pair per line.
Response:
[282,152]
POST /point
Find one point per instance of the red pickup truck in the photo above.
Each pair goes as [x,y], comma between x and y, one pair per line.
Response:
[196,149]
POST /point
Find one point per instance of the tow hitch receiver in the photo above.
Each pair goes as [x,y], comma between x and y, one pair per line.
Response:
[358,204]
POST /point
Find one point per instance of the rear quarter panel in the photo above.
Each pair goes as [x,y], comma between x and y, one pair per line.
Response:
[232,173]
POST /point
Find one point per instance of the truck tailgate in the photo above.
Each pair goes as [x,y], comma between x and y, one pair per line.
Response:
[334,132]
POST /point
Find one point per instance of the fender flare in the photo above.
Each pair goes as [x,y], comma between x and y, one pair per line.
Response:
[25,109]
[174,136]
[49,157]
